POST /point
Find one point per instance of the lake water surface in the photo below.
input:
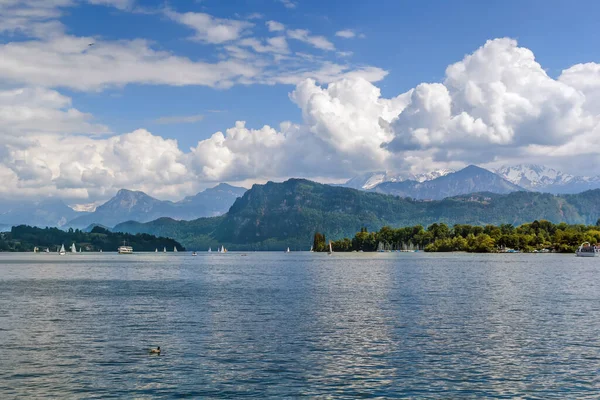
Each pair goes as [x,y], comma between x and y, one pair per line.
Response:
[300,324]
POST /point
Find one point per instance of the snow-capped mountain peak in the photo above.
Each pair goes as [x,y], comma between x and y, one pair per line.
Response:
[544,179]
[369,180]
[533,176]
[428,176]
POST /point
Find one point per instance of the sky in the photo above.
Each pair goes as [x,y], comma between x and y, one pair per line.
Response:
[171,97]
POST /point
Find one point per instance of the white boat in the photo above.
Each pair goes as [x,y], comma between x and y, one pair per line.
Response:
[223,250]
[80,249]
[194,254]
[587,250]
[62,251]
[164,249]
[330,252]
[174,249]
[100,250]
[125,249]
[73,248]
[47,250]
[209,250]
[311,249]
[156,250]
[35,250]
[288,250]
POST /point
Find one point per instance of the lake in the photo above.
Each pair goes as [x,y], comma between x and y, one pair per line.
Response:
[299,325]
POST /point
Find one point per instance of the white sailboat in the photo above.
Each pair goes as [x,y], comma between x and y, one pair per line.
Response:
[164,250]
[209,250]
[62,251]
[174,249]
[73,248]
[330,252]
[156,250]
[222,249]
[311,249]
[35,249]
[288,250]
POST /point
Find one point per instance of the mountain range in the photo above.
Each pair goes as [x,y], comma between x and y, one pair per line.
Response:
[544,179]
[277,215]
[526,176]
[471,179]
[129,205]
[124,206]
[46,212]
[370,180]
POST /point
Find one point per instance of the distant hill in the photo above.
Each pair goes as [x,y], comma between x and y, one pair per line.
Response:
[130,205]
[46,212]
[277,215]
[471,179]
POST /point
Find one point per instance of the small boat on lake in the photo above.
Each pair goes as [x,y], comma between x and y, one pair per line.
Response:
[587,250]
[194,253]
[73,248]
[62,251]
[330,252]
[174,249]
[288,250]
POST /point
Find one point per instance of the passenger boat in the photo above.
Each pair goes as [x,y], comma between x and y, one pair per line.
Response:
[587,250]
[125,249]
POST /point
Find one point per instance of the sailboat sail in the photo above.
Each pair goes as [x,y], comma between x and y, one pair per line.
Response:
[73,248]
[330,248]
[174,249]
[209,250]
[164,250]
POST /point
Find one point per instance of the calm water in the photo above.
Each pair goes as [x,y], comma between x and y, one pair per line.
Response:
[299,324]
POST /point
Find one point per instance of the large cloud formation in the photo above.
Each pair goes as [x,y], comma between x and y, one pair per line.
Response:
[496,105]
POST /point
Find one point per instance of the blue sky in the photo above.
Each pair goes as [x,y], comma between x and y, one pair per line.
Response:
[413,40]
[184,70]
